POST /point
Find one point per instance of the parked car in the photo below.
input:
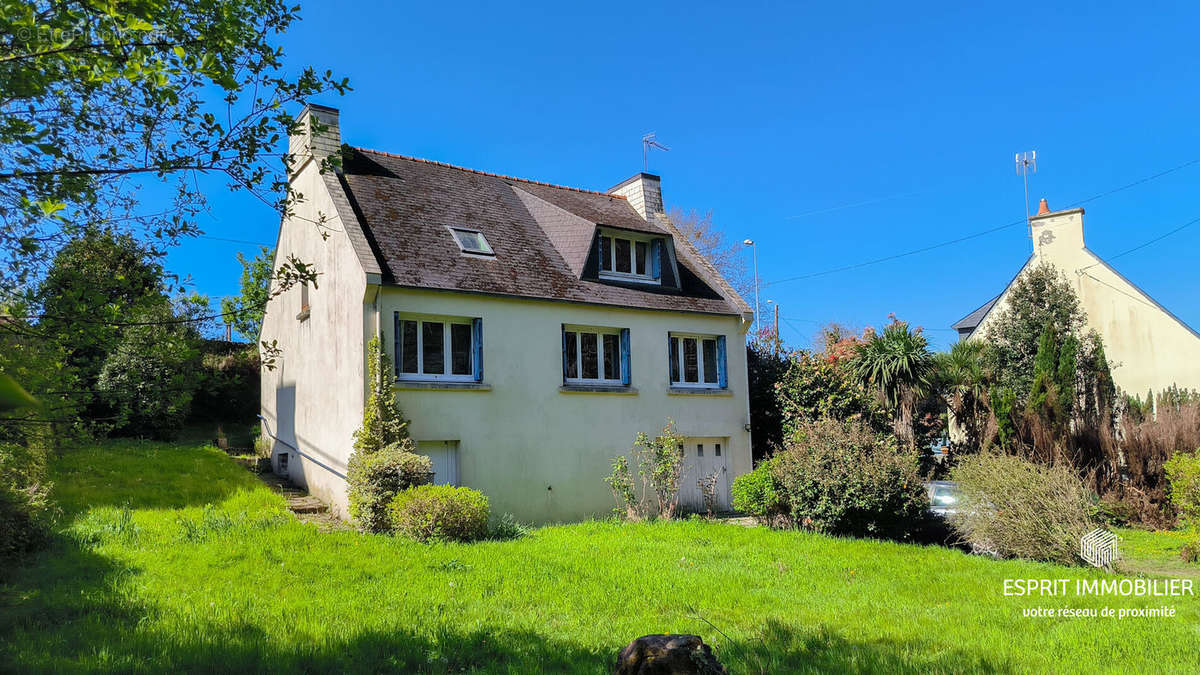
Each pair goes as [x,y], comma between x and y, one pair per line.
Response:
[943,497]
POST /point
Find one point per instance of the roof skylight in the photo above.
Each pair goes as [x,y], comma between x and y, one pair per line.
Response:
[471,241]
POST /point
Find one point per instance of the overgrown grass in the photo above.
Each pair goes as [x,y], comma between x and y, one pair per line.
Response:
[172,558]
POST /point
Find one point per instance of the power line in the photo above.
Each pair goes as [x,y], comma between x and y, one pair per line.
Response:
[234,241]
[976,235]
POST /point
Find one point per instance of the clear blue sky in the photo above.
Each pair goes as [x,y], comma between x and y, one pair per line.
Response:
[830,134]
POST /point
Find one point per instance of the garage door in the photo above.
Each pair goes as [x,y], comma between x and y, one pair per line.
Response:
[444,455]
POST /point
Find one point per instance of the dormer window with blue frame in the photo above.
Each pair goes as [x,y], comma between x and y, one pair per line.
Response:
[626,256]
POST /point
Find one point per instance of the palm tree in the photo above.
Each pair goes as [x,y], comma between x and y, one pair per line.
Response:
[898,364]
[961,378]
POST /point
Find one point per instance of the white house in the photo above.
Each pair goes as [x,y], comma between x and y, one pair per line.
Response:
[534,329]
[1148,347]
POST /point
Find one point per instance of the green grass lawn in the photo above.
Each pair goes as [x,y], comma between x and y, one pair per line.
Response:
[173,558]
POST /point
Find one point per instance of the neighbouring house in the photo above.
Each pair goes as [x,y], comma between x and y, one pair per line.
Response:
[1148,347]
[532,329]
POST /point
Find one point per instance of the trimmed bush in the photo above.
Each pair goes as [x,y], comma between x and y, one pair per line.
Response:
[1017,508]
[844,478]
[754,493]
[376,478]
[1183,472]
[440,513]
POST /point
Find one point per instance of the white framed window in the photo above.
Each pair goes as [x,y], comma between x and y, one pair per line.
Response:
[629,257]
[437,348]
[696,360]
[471,241]
[594,355]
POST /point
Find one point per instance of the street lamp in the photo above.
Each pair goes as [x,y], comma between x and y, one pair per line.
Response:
[754,249]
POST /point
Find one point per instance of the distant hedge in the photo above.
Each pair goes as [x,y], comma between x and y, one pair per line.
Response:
[228,389]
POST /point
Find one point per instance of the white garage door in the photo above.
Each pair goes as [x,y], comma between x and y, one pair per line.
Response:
[704,458]
[444,455]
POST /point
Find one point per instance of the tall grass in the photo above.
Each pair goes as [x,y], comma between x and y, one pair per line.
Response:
[174,559]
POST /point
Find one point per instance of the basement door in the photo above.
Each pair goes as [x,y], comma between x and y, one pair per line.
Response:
[444,455]
[704,458]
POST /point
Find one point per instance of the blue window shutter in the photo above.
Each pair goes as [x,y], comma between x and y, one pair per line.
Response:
[656,250]
[625,379]
[669,381]
[722,378]
[477,330]
[564,354]
[396,335]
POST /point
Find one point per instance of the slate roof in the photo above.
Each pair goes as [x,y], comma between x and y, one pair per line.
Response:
[970,321]
[542,235]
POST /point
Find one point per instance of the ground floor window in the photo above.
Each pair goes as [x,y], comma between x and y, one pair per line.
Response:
[697,360]
[438,348]
[595,355]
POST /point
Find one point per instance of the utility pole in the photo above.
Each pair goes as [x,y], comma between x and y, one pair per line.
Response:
[776,328]
[754,249]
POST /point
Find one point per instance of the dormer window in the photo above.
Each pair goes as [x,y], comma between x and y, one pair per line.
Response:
[471,241]
[629,257]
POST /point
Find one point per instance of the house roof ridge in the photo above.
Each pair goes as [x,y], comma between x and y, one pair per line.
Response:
[486,173]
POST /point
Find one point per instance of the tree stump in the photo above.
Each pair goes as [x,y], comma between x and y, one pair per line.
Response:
[668,655]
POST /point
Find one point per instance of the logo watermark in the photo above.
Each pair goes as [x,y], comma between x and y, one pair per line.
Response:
[1098,548]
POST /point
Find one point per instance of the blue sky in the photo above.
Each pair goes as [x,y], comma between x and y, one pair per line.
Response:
[832,134]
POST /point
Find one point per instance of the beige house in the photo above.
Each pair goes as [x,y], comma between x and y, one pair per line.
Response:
[533,330]
[1149,348]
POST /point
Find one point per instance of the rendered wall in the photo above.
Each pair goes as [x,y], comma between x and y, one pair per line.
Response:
[537,452]
[313,399]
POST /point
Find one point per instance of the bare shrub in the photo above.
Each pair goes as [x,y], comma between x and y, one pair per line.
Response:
[1022,509]
[708,489]
[1147,446]
[660,463]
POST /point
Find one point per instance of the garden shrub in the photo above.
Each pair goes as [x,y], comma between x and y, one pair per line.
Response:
[755,493]
[376,478]
[1183,473]
[1190,553]
[440,513]
[1018,508]
[660,464]
[24,506]
[842,477]
[383,462]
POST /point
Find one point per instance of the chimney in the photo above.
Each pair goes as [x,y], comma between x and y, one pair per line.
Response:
[309,142]
[1056,232]
[644,192]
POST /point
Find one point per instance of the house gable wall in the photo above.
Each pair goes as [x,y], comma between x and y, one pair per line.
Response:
[1147,347]
[312,401]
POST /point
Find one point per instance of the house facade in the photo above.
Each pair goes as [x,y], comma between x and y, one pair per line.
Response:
[532,330]
[1148,347]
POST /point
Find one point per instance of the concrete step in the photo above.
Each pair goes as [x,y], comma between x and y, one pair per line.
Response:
[306,505]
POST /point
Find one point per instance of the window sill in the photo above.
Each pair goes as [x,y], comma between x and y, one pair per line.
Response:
[441,386]
[597,389]
[698,391]
[303,315]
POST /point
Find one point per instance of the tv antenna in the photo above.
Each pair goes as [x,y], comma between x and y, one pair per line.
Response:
[1026,164]
[648,142]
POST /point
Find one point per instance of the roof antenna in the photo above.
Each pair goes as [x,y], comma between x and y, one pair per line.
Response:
[648,141]
[1026,164]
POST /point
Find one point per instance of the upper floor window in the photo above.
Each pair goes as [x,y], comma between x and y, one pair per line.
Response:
[471,241]
[439,348]
[595,355]
[629,257]
[697,360]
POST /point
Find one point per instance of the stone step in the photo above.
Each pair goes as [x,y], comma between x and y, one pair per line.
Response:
[306,505]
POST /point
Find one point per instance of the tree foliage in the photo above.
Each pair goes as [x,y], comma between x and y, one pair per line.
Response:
[1040,296]
[101,98]
[726,255]
[245,311]
[896,362]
